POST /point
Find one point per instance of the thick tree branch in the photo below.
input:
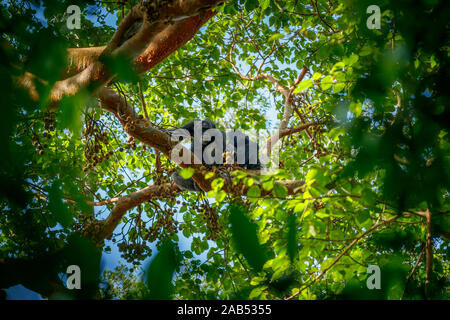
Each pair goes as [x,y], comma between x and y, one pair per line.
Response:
[130,201]
[155,40]
[170,39]
[290,131]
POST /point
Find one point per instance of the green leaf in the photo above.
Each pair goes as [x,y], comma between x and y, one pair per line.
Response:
[240,174]
[369,197]
[121,66]
[339,87]
[244,233]
[209,175]
[363,218]
[254,192]
[275,36]
[250,5]
[160,272]
[268,185]
[300,207]
[56,205]
[312,230]
[257,292]
[186,232]
[220,195]
[356,108]
[316,76]
[187,173]
[338,66]
[69,113]
[217,184]
[292,246]
[305,84]
[279,191]
[314,174]
[249,181]
[264,4]
[327,82]
[365,51]
[352,59]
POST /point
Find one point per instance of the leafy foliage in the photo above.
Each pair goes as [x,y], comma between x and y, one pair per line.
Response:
[381,150]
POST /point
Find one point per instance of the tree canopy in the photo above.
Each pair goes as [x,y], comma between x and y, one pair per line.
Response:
[351,95]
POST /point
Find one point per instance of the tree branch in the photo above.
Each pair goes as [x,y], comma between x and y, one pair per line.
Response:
[324,271]
[130,201]
[155,41]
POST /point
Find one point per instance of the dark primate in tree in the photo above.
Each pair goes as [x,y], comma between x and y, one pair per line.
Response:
[243,151]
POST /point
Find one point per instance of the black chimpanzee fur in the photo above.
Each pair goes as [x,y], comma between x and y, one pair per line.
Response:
[241,142]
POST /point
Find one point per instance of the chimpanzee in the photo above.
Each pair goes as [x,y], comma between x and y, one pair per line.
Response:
[210,145]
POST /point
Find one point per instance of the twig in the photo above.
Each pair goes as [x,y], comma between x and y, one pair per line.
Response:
[320,16]
[412,271]
[375,226]
[144,106]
